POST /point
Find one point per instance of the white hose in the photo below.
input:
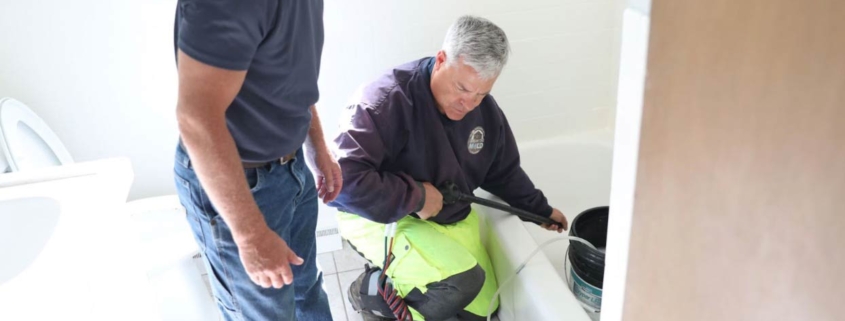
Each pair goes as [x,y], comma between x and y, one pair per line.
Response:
[530,256]
[390,230]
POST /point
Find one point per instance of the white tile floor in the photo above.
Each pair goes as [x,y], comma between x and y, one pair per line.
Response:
[340,269]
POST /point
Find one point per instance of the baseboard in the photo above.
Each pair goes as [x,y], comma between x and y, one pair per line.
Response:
[328,240]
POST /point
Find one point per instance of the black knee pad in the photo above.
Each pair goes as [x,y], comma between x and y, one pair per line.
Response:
[364,296]
[448,298]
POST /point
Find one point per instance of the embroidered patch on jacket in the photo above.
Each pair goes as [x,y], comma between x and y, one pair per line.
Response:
[476,140]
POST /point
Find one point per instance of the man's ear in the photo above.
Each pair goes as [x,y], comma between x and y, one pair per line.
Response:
[440,60]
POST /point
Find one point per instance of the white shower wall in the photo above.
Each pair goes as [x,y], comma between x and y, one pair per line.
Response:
[102,74]
[561,77]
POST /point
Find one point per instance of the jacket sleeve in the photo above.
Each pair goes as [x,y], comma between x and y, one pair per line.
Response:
[365,141]
[507,180]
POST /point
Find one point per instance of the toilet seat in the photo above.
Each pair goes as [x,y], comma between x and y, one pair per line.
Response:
[26,142]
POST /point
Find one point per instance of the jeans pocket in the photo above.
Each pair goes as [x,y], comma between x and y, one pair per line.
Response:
[225,255]
[254,178]
[191,193]
[189,202]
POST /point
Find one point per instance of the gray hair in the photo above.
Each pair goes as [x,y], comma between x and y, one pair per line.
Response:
[482,45]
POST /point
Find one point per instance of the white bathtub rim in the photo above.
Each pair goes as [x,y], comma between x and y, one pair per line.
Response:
[550,296]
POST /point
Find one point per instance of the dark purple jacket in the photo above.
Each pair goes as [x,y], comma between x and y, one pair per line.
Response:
[393,138]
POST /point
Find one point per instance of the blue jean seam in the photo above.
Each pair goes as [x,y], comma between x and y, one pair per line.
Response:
[293,172]
[191,214]
[226,273]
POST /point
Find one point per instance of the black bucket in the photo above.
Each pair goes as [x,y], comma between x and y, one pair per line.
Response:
[587,273]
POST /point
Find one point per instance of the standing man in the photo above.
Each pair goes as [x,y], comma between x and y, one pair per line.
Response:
[418,126]
[247,88]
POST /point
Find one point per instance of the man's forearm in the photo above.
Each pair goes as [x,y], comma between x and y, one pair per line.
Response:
[383,197]
[215,159]
[315,142]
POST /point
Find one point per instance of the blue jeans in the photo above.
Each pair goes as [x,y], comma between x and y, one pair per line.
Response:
[287,197]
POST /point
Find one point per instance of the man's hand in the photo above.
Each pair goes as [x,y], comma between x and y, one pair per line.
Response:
[267,259]
[320,160]
[326,173]
[557,216]
[433,202]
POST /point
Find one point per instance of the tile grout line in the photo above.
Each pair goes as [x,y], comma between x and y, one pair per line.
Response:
[342,301]
[334,261]
[339,286]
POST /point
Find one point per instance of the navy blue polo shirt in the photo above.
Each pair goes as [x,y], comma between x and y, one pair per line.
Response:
[279,44]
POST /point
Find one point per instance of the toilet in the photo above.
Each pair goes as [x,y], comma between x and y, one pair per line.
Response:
[165,248]
[26,142]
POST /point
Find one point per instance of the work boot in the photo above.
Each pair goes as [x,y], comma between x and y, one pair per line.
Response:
[364,297]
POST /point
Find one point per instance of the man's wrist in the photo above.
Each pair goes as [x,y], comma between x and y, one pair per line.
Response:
[316,146]
[250,233]
[548,210]
[421,204]
[247,239]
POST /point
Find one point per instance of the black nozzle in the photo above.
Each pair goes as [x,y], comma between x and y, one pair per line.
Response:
[450,192]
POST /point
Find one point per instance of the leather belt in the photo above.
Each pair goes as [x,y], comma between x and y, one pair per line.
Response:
[284,160]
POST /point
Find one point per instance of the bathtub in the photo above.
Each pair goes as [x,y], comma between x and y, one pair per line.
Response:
[574,174]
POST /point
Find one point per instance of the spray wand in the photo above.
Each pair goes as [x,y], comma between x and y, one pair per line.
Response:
[452,195]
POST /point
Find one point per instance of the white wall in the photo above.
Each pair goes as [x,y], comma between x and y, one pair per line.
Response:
[561,77]
[102,74]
